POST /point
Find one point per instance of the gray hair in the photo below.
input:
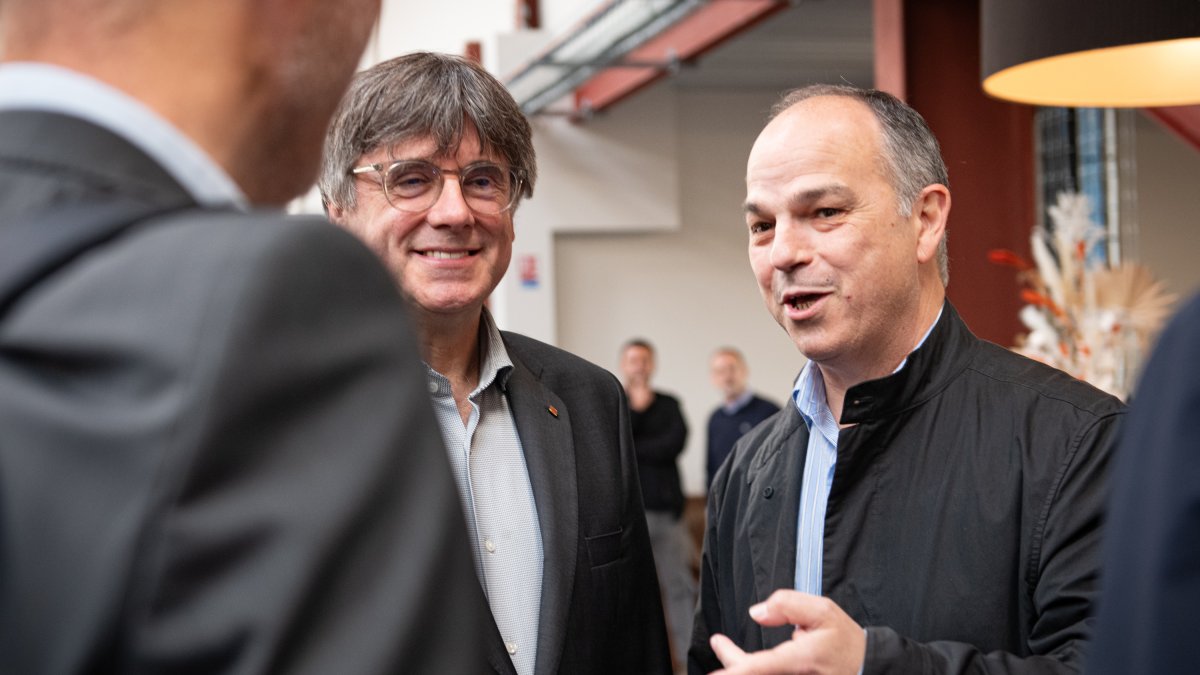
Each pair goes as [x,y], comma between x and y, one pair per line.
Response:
[422,95]
[912,156]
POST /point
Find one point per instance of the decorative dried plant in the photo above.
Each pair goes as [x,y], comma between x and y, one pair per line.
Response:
[1091,320]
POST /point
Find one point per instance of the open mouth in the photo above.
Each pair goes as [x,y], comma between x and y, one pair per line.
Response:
[802,301]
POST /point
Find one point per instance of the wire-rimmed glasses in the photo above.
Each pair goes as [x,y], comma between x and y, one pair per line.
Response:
[414,185]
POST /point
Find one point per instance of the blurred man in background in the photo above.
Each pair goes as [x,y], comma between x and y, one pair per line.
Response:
[659,435]
[740,411]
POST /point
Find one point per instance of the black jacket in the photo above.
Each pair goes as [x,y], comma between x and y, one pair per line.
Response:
[659,434]
[963,523]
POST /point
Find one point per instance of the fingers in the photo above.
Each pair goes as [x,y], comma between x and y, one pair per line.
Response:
[802,609]
[729,653]
[781,660]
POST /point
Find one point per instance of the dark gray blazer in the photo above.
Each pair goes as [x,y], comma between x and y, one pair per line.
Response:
[601,611]
[217,454]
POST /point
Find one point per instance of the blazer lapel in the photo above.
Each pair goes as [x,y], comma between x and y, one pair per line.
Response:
[544,426]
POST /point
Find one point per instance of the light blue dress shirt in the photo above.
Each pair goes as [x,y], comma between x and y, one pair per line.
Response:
[43,87]
[819,465]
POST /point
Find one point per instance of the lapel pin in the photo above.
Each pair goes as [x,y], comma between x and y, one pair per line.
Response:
[553,410]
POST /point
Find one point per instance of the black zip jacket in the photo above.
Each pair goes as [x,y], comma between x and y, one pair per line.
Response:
[963,523]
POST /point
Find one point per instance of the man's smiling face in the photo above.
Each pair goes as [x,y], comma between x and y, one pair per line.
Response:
[447,259]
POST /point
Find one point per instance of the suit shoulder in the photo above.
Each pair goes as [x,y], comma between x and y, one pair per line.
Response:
[254,232]
[550,361]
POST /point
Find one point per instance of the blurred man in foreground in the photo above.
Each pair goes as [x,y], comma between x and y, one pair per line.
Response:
[193,475]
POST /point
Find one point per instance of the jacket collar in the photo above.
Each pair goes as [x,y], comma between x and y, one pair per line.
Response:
[930,369]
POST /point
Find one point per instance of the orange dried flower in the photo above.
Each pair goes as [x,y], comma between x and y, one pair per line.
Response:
[1003,256]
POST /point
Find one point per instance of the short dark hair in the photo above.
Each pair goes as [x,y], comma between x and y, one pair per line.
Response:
[423,94]
[638,342]
[912,156]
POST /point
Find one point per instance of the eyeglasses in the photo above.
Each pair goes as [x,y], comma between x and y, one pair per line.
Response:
[414,185]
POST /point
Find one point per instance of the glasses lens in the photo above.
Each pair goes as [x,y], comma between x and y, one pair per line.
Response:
[412,186]
[487,188]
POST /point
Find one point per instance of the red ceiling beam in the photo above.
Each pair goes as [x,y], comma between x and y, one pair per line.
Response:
[699,32]
[1184,121]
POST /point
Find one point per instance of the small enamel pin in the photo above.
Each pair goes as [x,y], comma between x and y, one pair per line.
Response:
[553,410]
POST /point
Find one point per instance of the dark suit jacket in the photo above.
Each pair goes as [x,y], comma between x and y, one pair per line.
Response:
[195,475]
[601,611]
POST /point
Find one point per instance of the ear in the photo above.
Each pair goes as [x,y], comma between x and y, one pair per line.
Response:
[930,211]
[335,213]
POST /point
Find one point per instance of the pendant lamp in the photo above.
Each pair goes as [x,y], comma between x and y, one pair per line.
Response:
[1092,53]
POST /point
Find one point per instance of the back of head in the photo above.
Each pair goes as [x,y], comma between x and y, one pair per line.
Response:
[424,95]
[911,151]
[253,84]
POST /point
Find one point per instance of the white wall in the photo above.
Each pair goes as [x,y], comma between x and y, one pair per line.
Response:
[688,291]
[1168,242]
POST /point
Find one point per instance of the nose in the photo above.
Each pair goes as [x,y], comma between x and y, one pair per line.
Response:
[792,245]
[450,209]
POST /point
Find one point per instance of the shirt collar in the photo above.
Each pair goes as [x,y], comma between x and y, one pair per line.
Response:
[44,87]
[494,363]
[731,407]
[495,366]
[809,392]
[809,397]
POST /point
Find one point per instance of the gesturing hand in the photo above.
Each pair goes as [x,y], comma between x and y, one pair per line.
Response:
[826,640]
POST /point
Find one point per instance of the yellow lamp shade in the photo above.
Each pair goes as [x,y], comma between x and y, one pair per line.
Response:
[1104,53]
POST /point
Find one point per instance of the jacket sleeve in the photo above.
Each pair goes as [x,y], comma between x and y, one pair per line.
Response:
[310,523]
[1061,580]
[662,438]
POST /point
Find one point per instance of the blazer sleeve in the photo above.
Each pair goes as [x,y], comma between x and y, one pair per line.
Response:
[310,524]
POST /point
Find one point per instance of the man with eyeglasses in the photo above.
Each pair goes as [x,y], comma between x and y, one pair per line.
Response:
[426,161]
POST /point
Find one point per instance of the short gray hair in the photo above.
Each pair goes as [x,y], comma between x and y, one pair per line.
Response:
[423,95]
[912,156]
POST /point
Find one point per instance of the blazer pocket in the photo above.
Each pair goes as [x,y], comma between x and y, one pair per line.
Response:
[604,548]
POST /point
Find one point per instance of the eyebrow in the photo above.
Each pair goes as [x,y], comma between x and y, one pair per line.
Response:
[805,197]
